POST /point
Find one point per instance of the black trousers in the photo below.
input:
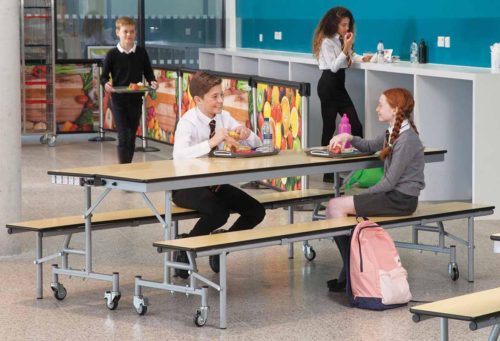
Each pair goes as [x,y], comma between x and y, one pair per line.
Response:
[215,208]
[127,111]
[335,100]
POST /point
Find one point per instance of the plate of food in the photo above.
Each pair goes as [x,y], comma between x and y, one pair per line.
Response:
[237,151]
[337,153]
[133,88]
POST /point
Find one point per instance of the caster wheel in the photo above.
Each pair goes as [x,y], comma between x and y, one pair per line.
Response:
[310,255]
[455,274]
[198,320]
[44,139]
[60,294]
[142,310]
[114,303]
[51,142]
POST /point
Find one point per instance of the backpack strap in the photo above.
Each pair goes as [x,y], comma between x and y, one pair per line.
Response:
[361,216]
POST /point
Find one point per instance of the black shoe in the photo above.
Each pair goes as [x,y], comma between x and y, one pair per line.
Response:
[335,286]
[181,257]
[214,260]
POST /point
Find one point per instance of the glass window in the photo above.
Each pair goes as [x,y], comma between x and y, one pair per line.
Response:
[176,29]
[84,23]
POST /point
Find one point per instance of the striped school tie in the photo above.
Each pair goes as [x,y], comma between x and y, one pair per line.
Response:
[212,131]
[348,57]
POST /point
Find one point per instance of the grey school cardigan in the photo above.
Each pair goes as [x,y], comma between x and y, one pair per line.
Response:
[403,168]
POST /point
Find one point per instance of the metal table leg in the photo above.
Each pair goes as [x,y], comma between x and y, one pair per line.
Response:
[495,332]
[471,250]
[39,266]
[223,290]
[168,223]
[444,329]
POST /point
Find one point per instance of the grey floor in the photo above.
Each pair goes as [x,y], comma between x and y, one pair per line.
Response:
[269,296]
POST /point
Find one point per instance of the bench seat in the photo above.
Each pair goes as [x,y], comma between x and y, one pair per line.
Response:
[140,216]
[221,241]
[481,309]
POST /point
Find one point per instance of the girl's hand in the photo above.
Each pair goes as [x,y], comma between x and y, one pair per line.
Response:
[366,59]
[154,85]
[340,140]
[348,41]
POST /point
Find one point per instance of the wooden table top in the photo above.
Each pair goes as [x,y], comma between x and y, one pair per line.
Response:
[467,307]
[156,171]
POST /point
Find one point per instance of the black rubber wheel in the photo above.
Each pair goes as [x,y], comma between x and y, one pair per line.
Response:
[455,274]
[197,320]
[43,139]
[142,310]
[311,255]
[60,294]
[114,304]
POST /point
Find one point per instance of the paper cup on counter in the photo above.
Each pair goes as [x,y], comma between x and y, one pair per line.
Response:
[495,62]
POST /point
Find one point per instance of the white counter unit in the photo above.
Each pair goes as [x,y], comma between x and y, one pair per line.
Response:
[457,108]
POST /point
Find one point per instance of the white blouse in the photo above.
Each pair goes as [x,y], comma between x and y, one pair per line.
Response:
[331,56]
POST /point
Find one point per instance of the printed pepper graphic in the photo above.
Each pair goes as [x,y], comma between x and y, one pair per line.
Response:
[39,71]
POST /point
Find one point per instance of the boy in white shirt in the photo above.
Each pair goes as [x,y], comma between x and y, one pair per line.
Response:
[201,130]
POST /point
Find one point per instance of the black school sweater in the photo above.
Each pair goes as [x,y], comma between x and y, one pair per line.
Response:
[127,68]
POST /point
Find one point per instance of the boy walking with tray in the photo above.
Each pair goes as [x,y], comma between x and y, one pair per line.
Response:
[126,63]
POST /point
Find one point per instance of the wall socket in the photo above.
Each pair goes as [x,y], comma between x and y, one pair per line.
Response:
[443,42]
[261,37]
[188,31]
[277,36]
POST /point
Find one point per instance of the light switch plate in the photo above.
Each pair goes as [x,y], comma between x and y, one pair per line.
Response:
[440,41]
[447,42]
[261,37]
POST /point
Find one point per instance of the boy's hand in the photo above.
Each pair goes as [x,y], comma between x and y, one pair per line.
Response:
[243,132]
[154,84]
[220,136]
[109,87]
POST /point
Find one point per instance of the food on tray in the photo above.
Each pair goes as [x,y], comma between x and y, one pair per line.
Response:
[240,149]
[136,87]
[347,150]
[235,147]
[234,135]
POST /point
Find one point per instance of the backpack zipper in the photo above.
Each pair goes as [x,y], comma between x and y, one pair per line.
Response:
[359,245]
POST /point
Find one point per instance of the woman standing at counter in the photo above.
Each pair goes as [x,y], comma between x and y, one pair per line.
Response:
[332,46]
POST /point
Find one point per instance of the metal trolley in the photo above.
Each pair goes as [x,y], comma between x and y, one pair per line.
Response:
[38,69]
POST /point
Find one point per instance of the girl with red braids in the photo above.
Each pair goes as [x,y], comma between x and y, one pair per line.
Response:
[397,192]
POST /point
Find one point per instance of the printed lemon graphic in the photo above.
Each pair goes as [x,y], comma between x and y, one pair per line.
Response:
[297,101]
[294,122]
[267,110]
[285,111]
[278,136]
[275,95]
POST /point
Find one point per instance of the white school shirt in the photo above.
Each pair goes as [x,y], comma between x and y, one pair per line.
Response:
[122,50]
[331,56]
[193,132]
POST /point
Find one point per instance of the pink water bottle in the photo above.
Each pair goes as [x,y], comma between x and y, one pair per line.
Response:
[345,127]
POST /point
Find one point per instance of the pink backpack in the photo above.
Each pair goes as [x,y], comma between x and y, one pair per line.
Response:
[375,277]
